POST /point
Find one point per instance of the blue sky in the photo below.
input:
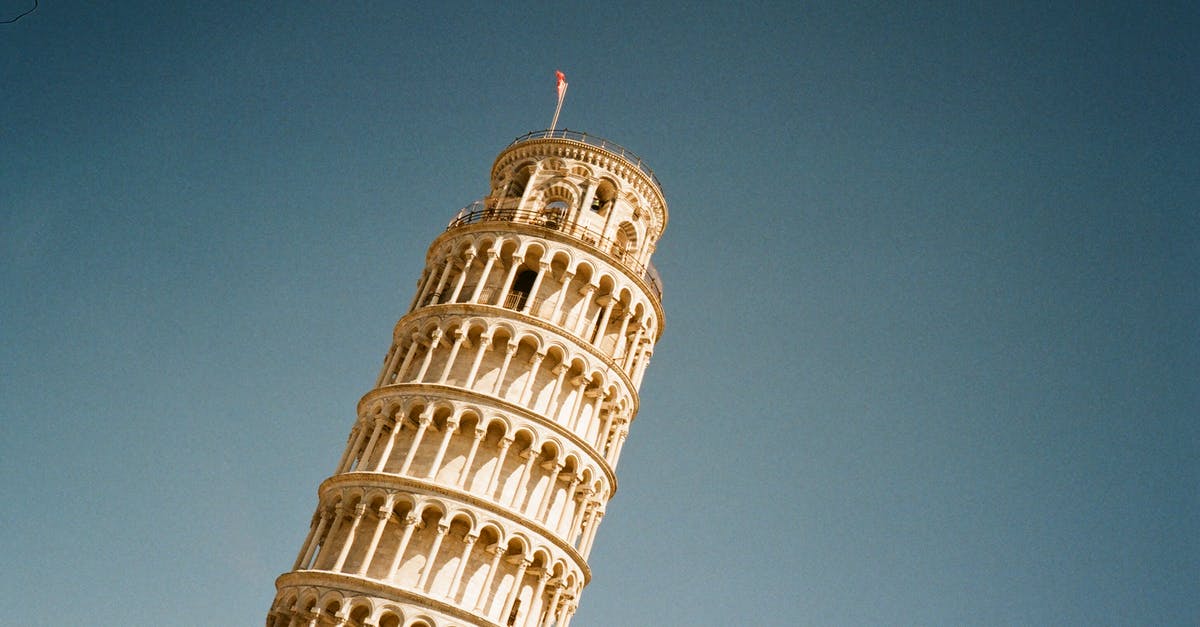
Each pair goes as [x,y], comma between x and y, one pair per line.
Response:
[931,274]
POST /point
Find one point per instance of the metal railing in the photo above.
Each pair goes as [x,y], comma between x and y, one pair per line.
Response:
[592,140]
[479,211]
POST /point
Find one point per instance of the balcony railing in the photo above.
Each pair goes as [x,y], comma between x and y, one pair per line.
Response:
[479,211]
[592,140]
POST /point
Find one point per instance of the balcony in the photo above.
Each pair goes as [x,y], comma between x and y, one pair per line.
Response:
[592,140]
[479,212]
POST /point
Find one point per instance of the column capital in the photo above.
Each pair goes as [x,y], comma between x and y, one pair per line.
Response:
[410,520]
[359,510]
[469,539]
[479,434]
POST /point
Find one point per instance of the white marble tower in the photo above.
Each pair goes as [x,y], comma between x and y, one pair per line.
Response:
[479,466]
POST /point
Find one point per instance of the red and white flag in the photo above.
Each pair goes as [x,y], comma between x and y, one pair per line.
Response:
[562,91]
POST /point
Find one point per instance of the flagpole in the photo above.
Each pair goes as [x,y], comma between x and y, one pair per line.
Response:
[562,92]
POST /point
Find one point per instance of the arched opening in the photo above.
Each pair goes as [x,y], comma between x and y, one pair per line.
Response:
[555,214]
[606,196]
[625,242]
[522,285]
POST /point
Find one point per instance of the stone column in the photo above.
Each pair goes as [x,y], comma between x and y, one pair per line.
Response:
[435,339]
[633,348]
[415,342]
[462,476]
[437,293]
[485,342]
[549,611]
[460,336]
[339,516]
[620,343]
[439,533]
[468,542]
[480,603]
[584,304]
[422,425]
[448,432]
[356,436]
[397,425]
[509,351]
[491,490]
[359,510]
[508,280]
[530,456]
[366,457]
[314,537]
[462,278]
[492,256]
[543,577]
[543,268]
[569,499]
[557,314]
[385,513]
[518,583]
[551,488]
[409,523]
[602,326]
[534,363]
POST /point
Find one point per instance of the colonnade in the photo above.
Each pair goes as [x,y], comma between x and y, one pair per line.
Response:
[441,553]
[538,280]
[502,363]
[542,480]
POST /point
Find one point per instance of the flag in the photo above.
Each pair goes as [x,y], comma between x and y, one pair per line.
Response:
[562,91]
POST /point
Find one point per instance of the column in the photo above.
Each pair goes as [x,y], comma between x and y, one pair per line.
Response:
[543,268]
[412,351]
[387,361]
[508,280]
[460,336]
[603,435]
[633,348]
[491,489]
[583,406]
[516,589]
[385,513]
[509,351]
[485,342]
[339,516]
[425,290]
[543,577]
[462,476]
[435,339]
[584,304]
[597,516]
[621,435]
[560,371]
[641,369]
[583,503]
[569,612]
[439,533]
[620,343]
[419,291]
[359,510]
[492,256]
[462,278]
[437,293]
[556,315]
[468,542]
[551,488]
[366,456]
[409,523]
[597,340]
[311,544]
[570,498]
[397,425]
[447,433]
[534,364]
[356,434]
[497,551]
[549,611]
[422,425]
[580,382]
[530,456]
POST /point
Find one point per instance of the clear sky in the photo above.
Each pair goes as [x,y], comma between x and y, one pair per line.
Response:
[933,318]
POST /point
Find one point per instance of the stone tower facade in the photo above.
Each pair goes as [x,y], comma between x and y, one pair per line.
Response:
[480,464]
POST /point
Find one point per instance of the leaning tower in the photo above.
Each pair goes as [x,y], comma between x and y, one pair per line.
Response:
[481,462]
